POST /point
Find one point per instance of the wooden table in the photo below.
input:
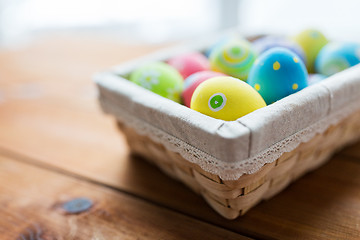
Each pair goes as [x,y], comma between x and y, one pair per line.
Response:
[57,148]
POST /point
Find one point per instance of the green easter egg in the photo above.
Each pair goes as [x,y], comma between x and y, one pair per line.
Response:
[159,78]
[311,41]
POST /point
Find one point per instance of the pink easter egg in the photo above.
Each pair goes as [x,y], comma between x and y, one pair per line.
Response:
[193,81]
[190,63]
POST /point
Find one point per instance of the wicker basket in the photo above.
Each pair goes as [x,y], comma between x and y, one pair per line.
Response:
[234,198]
[234,190]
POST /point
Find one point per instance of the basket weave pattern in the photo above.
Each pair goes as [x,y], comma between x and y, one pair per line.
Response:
[234,198]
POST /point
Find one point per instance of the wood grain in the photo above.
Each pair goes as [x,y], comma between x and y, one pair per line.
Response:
[61,126]
[31,204]
[46,93]
[352,151]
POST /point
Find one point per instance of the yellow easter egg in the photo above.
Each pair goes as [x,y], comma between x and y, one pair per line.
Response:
[311,41]
[226,98]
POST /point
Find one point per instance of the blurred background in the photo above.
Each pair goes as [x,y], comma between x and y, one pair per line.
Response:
[159,21]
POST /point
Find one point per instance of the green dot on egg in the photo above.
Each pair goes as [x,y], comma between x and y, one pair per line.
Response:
[216,101]
[236,50]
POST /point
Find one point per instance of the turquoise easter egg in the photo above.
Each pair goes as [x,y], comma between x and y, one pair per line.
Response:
[336,57]
[159,78]
[278,73]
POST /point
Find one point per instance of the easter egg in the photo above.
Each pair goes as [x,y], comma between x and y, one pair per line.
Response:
[335,57]
[311,41]
[189,63]
[234,58]
[278,73]
[265,43]
[159,78]
[315,78]
[193,81]
[221,42]
[226,98]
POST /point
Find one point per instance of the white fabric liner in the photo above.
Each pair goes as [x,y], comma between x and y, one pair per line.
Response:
[225,170]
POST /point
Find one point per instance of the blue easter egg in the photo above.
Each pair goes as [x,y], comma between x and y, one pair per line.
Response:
[278,73]
[336,57]
[265,43]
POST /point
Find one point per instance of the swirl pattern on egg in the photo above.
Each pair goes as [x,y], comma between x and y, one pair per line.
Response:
[234,58]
